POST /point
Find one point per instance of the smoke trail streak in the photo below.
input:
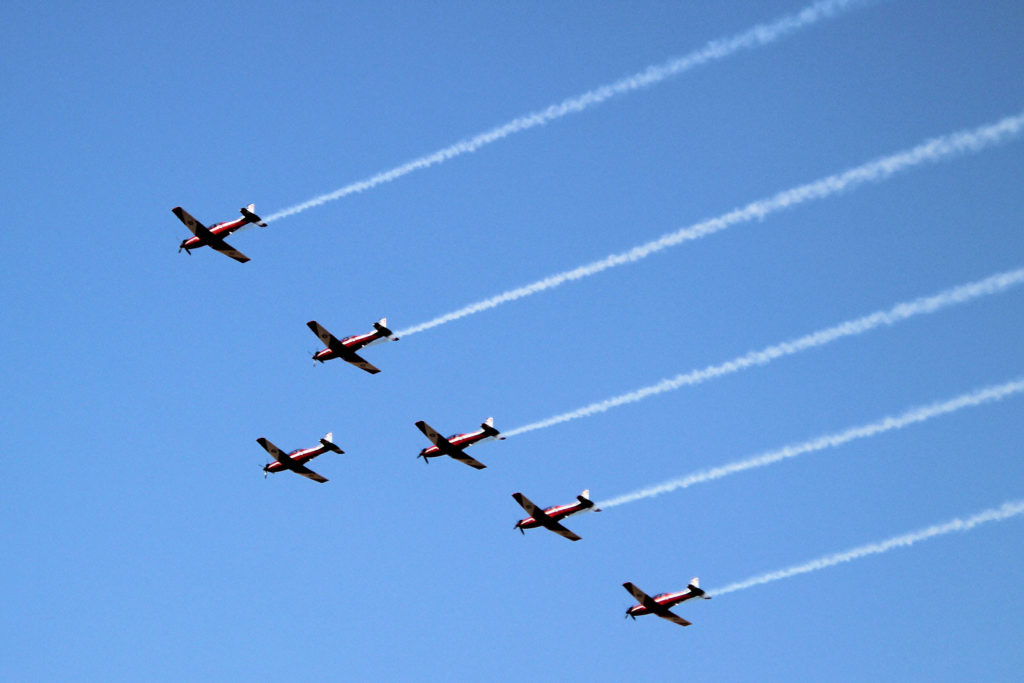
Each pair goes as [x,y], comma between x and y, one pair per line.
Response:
[758,36]
[930,151]
[898,313]
[913,416]
[1004,512]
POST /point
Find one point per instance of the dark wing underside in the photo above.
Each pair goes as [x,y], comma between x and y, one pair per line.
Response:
[562,531]
[308,473]
[358,361]
[274,451]
[463,458]
[324,336]
[674,618]
[223,247]
[194,226]
[531,508]
[433,435]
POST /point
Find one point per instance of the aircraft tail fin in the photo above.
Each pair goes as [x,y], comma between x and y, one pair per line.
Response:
[250,216]
[328,443]
[695,588]
[584,499]
[381,326]
[488,427]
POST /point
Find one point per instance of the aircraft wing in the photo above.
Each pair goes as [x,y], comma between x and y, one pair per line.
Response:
[323,335]
[308,473]
[562,531]
[674,618]
[531,508]
[358,361]
[276,452]
[434,437]
[223,247]
[463,458]
[643,598]
[197,228]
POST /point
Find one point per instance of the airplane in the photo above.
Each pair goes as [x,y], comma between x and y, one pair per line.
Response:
[294,461]
[659,604]
[346,348]
[455,444]
[549,517]
[214,235]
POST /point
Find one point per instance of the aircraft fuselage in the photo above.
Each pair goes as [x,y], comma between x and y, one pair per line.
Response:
[219,230]
[666,600]
[556,513]
[299,457]
[460,441]
[353,343]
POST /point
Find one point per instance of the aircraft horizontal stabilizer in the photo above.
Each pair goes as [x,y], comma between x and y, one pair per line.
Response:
[330,445]
[488,427]
[381,326]
[698,592]
[251,217]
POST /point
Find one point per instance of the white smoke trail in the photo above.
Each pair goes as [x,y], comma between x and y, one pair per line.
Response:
[898,313]
[1004,512]
[913,416]
[930,151]
[759,35]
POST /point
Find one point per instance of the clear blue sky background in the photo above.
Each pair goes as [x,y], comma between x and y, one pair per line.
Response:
[141,540]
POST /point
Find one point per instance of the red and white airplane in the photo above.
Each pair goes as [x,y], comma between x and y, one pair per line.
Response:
[346,348]
[294,461]
[548,518]
[659,604]
[214,235]
[455,445]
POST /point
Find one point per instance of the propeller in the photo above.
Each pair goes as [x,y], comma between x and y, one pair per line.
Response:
[426,460]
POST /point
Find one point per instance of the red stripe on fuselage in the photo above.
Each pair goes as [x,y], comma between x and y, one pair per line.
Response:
[298,457]
[353,343]
[220,230]
[556,513]
[464,440]
[665,600]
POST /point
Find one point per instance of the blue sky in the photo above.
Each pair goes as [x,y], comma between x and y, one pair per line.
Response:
[143,541]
